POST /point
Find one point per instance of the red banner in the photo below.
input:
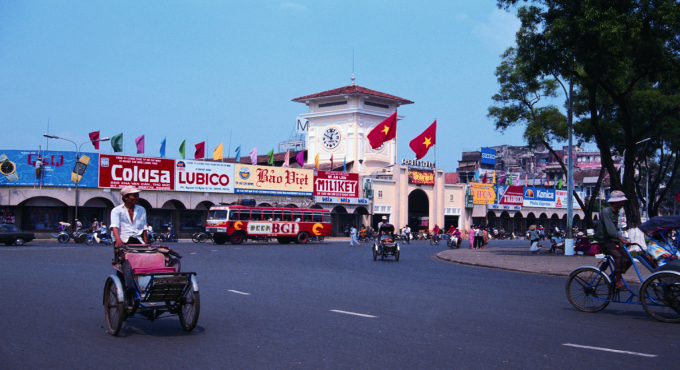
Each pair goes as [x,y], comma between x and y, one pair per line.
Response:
[420,177]
[119,171]
[336,184]
[514,196]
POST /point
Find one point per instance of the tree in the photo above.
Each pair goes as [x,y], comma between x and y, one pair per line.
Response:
[608,47]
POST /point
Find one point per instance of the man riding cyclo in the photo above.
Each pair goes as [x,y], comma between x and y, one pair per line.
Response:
[128,219]
[609,238]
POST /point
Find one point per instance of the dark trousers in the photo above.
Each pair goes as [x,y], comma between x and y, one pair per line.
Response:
[621,261]
[479,241]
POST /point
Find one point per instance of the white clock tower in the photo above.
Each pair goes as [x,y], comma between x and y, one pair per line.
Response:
[339,121]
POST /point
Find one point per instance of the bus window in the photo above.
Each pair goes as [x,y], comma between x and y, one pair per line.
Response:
[278,215]
[327,217]
[217,215]
[297,216]
[267,215]
[256,215]
[287,216]
[318,217]
[306,216]
[245,215]
[233,215]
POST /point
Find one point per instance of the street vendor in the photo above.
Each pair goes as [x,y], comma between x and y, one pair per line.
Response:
[128,219]
[609,238]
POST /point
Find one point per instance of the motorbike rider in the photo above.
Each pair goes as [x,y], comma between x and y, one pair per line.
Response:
[435,232]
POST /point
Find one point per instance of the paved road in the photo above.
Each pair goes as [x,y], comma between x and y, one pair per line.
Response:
[298,311]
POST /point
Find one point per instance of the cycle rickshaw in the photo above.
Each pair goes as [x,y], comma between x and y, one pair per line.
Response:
[591,289]
[147,284]
[386,244]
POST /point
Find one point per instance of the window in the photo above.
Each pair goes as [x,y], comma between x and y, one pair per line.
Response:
[297,216]
[332,104]
[217,215]
[318,217]
[450,197]
[256,215]
[233,215]
[327,217]
[287,216]
[380,194]
[267,215]
[244,215]
[307,217]
[372,104]
[191,220]
[278,215]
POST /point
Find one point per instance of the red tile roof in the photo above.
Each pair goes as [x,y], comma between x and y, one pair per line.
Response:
[353,89]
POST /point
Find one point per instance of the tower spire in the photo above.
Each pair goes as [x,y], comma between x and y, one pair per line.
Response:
[353,78]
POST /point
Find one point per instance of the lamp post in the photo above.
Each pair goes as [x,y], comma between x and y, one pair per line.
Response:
[77,158]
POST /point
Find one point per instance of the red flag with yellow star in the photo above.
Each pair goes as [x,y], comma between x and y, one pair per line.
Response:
[423,142]
[385,131]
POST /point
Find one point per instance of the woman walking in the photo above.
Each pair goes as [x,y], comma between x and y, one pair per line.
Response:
[471,236]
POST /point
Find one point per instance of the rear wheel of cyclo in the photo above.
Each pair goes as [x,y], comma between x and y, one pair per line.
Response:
[589,289]
[113,310]
[660,296]
[63,238]
[375,254]
[188,314]
[396,255]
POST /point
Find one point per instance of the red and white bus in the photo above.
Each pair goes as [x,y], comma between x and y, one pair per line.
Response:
[238,223]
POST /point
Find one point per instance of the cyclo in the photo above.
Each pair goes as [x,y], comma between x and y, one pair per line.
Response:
[148,282]
[591,289]
[386,244]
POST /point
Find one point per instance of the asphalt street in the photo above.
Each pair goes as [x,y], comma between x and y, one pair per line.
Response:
[323,305]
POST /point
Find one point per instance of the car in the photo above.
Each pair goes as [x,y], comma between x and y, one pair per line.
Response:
[10,234]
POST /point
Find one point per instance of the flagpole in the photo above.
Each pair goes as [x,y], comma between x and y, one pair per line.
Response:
[228,151]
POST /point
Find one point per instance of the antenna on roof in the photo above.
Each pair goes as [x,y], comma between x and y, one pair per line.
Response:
[353,78]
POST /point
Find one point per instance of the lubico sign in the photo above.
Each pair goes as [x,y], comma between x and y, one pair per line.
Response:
[119,171]
[214,177]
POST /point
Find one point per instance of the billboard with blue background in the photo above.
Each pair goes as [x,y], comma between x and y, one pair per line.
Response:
[57,168]
[489,156]
[539,197]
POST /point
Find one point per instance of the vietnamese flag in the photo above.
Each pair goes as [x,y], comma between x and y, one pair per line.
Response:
[94,138]
[385,131]
[200,150]
[423,142]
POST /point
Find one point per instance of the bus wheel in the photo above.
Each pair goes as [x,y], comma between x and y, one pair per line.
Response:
[302,238]
[220,239]
[283,240]
[237,238]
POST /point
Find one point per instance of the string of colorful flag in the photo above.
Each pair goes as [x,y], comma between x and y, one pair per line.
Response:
[383,132]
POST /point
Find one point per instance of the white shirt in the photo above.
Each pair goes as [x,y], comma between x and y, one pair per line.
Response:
[120,218]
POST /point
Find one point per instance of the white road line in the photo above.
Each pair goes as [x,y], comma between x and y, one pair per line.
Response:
[610,350]
[354,313]
[237,292]
[192,253]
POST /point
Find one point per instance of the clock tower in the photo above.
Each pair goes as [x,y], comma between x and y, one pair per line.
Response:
[339,121]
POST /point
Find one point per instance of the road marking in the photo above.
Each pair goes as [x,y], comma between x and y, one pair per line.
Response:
[192,253]
[237,292]
[610,350]
[354,313]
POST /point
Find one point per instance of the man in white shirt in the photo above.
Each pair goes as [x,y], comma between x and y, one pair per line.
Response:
[128,219]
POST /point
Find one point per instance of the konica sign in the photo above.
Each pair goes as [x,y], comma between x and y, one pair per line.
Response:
[489,156]
[539,197]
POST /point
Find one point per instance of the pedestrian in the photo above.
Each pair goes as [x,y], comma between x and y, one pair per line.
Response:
[609,237]
[485,237]
[128,219]
[407,231]
[479,237]
[471,236]
[541,232]
[353,237]
[534,237]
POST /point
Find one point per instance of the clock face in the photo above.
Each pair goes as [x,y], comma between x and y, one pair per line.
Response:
[6,167]
[331,138]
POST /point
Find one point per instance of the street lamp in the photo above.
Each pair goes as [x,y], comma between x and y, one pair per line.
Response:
[77,158]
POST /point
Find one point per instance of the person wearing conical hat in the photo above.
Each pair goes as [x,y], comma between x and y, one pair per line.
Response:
[607,234]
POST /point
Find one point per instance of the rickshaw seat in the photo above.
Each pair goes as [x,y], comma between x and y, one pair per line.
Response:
[147,263]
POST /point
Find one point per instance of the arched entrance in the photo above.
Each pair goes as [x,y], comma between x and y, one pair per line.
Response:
[418,211]
[361,217]
[339,219]
[491,219]
[517,225]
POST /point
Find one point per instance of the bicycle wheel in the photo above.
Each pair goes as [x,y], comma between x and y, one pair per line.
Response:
[589,289]
[196,238]
[660,296]
[63,238]
[202,238]
[113,310]
[188,315]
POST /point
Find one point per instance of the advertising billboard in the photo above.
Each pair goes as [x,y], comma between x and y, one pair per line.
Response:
[539,197]
[509,198]
[17,168]
[561,200]
[214,177]
[336,184]
[119,171]
[489,156]
[421,177]
[273,180]
[341,200]
[482,193]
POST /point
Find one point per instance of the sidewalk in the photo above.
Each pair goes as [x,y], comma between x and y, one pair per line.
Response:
[521,260]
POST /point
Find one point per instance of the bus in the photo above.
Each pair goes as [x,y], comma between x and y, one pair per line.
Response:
[236,224]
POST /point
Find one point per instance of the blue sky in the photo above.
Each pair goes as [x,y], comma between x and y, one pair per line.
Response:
[198,70]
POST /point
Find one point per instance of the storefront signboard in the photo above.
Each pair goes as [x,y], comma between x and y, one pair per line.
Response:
[509,198]
[561,200]
[489,156]
[336,184]
[204,176]
[18,168]
[420,177]
[539,197]
[482,193]
[341,200]
[269,180]
[119,171]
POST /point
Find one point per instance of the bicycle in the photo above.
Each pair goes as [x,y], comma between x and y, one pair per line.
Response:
[201,237]
[434,239]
